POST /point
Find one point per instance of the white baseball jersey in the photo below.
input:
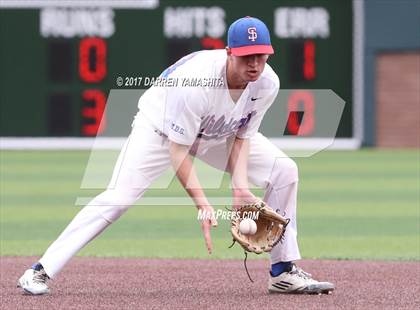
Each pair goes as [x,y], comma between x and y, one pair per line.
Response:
[197,106]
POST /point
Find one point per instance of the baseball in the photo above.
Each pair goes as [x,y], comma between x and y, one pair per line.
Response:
[248,227]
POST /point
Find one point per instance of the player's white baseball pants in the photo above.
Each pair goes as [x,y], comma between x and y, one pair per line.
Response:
[144,158]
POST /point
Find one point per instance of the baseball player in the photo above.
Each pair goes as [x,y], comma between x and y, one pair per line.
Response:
[220,126]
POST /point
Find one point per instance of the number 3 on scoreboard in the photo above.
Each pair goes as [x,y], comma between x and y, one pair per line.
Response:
[94,113]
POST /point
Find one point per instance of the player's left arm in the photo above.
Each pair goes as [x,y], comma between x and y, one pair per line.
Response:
[238,158]
[238,168]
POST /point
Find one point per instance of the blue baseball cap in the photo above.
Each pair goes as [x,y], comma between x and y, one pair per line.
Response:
[249,35]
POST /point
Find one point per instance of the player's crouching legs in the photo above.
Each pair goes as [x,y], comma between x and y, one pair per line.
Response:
[112,203]
[281,195]
[284,172]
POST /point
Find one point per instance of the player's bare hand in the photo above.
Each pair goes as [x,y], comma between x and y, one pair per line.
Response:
[242,197]
[208,220]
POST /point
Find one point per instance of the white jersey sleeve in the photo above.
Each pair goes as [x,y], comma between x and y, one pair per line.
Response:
[185,108]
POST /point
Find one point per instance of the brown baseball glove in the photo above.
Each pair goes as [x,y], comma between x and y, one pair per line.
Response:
[270,228]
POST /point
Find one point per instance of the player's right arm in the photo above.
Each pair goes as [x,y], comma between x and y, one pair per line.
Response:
[185,171]
[185,107]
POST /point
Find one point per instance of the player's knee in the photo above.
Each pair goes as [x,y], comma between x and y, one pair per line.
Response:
[292,170]
[113,203]
[285,171]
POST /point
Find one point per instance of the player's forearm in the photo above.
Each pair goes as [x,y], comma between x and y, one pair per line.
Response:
[185,171]
[238,164]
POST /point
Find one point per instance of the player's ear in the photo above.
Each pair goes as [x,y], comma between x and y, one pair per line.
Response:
[228,51]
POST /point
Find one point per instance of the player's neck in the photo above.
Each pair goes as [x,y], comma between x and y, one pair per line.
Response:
[233,80]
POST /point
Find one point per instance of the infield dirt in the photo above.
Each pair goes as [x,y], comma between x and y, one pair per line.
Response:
[108,283]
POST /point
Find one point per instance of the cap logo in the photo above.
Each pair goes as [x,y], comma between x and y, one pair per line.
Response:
[252,33]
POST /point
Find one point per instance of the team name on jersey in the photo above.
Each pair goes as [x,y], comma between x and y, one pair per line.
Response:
[211,128]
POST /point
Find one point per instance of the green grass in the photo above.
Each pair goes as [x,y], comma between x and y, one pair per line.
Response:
[352,205]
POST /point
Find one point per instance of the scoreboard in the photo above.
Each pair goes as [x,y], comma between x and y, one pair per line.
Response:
[59,60]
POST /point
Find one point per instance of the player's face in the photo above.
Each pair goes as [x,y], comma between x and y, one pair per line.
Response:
[249,68]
